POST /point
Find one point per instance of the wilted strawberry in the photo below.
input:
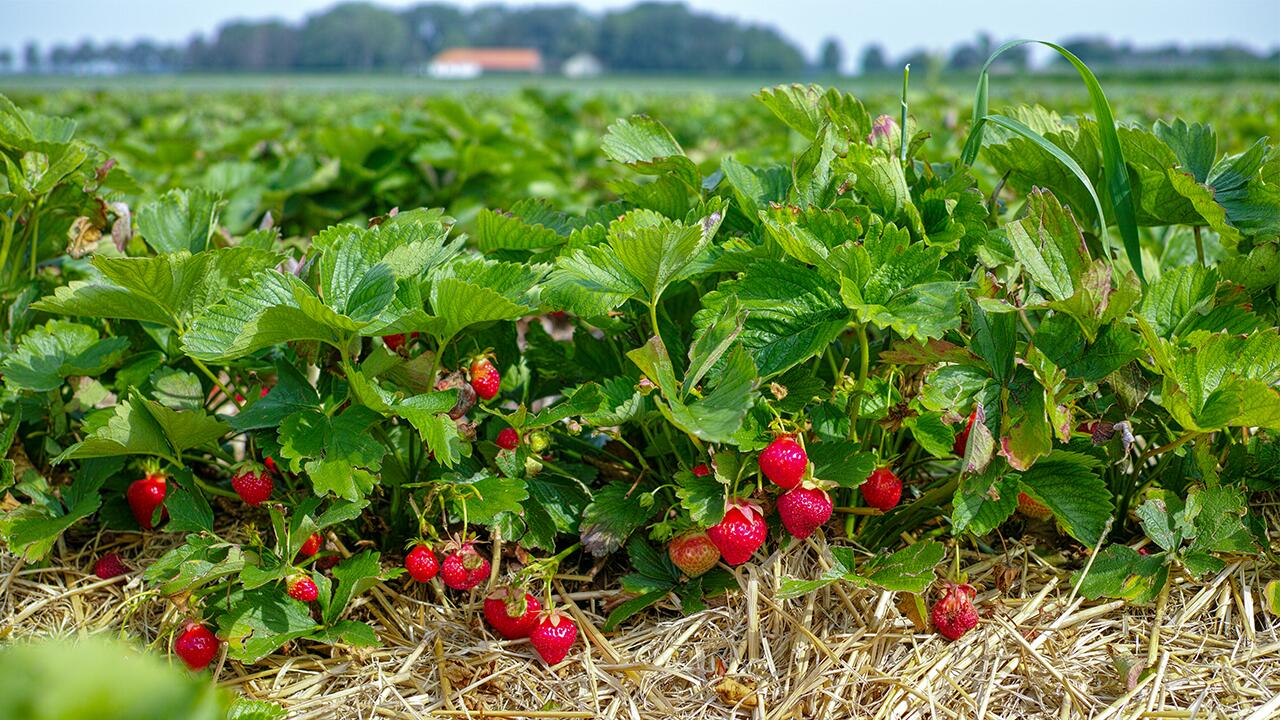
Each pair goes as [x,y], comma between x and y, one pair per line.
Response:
[954,615]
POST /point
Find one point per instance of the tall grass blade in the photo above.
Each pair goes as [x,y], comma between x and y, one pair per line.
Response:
[1115,173]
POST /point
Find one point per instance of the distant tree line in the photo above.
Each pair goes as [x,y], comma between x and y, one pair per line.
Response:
[360,36]
[646,37]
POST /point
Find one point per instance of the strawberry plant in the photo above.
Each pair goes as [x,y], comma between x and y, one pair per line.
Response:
[854,336]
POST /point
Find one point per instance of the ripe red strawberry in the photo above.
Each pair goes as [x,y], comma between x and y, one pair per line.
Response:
[553,637]
[803,510]
[882,490]
[1033,508]
[485,379]
[962,437]
[196,645]
[512,614]
[394,342]
[421,563]
[740,533]
[784,462]
[303,588]
[109,566]
[701,470]
[252,487]
[508,439]
[145,497]
[270,465]
[311,545]
[693,552]
[954,615]
[464,568]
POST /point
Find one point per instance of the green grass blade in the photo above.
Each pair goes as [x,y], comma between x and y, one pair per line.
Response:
[1010,124]
[1115,173]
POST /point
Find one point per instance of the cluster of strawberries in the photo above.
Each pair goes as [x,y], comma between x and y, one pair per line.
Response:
[803,507]
[514,614]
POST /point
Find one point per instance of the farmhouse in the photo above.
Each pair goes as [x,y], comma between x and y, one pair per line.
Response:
[472,62]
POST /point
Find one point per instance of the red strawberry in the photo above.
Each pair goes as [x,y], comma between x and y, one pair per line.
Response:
[693,552]
[145,497]
[485,379]
[508,439]
[109,566]
[394,342]
[962,437]
[270,465]
[740,533]
[803,510]
[196,645]
[553,637]
[882,490]
[954,615]
[464,568]
[701,470]
[1033,508]
[311,545]
[421,563]
[512,614]
[252,487]
[1143,550]
[303,588]
[784,462]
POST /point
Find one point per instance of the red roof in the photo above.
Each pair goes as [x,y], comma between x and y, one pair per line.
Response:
[499,59]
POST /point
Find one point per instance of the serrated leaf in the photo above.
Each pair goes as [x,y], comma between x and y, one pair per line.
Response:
[1121,572]
[486,496]
[703,497]
[146,427]
[180,220]
[792,313]
[1067,483]
[336,452]
[910,569]
[614,513]
[48,354]
[262,620]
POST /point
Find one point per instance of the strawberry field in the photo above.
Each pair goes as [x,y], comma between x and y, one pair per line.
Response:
[807,405]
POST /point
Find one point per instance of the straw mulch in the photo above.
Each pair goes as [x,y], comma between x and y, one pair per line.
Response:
[1040,651]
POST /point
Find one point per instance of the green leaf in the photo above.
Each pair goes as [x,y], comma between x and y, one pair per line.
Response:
[167,290]
[646,146]
[792,313]
[180,220]
[188,509]
[337,453]
[1067,483]
[496,230]
[1162,520]
[703,497]
[245,709]
[1121,572]
[486,496]
[1116,172]
[355,575]
[931,433]
[48,354]
[262,620]
[1025,432]
[984,500]
[799,106]
[614,513]
[1049,244]
[146,427]
[842,462]
[718,415]
[910,569]
[292,393]
[1217,514]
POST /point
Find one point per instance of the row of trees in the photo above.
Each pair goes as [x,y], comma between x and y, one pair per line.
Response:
[647,37]
[650,36]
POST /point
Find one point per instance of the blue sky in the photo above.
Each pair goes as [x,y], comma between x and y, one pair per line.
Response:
[898,25]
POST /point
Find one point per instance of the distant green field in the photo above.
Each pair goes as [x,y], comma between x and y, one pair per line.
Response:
[1046,84]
